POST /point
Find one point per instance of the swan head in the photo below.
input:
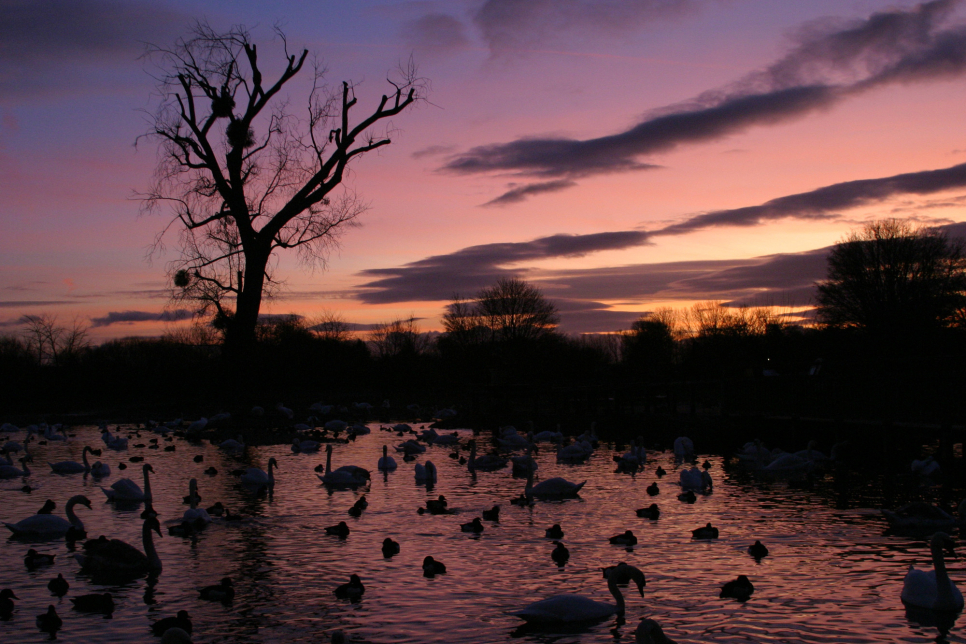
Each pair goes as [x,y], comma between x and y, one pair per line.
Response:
[273,462]
[80,499]
[147,468]
[152,523]
[942,541]
[624,573]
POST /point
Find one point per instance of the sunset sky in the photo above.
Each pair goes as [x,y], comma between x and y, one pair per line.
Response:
[621,154]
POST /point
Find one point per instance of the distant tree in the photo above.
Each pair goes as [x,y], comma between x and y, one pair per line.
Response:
[514,310]
[648,348]
[892,277]
[398,338]
[52,342]
[247,174]
[330,325]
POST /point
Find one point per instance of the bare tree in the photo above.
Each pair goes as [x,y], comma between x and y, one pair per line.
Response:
[398,338]
[330,325]
[894,277]
[246,174]
[516,310]
[52,342]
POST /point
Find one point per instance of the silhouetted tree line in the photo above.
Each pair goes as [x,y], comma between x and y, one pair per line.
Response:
[888,339]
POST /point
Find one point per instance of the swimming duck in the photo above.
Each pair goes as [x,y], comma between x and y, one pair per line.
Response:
[341,530]
[649,632]
[48,507]
[34,559]
[223,592]
[653,489]
[182,620]
[58,585]
[555,532]
[94,603]
[6,603]
[560,554]
[707,532]
[492,514]
[626,539]
[217,509]
[650,512]
[687,496]
[758,550]
[475,526]
[352,590]
[389,548]
[660,471]
[740,589]
[432,567]
[49,622]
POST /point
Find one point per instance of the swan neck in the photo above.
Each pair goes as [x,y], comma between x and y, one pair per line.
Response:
[616,592]
[147,485]
[193,496]
[328,459]
[74,520]
[26,470]
[939,563]
[154,561]
[271,475]
[87,466]
[528,490]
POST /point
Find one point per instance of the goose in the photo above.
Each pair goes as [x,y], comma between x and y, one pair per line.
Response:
[58,585]
[341,530]
[626,539]
[758,550]
[649,632]
[475,526]
[389,548]
[49,622]
[485,463]
[554,532]
[114,557]
[432,567]
[33,559]
[653,489]
[425,473]
[8,471]
[255,477]
[555,488]
[560,554]
[73,467]
[493,514]
[650,512]
[706,532]
[181,620]
[346,476]
[683,448]
[223,592]
[94,603]
[933,589]
[194,514]
[352,590]
[569,609]
[49,526]
[740,589]
[127,490]
[305,447]
[6,602]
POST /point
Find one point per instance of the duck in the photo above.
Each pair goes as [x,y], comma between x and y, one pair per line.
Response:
[48,507]
[575,609]
[58,585]
[181,620]
[553,488]
[560,554]
[653,489]
[650,512]
[933,589]
[211,471]
[176,635]
[216,510]
[740,588]
[113,557]
[126,490]
[493,514]
[352,590]
[183,529]
[223,592]
[687,496]
[425,473]
[650,632]
[94,603]
[758,550]
[432,567]
[49,622]
[255,477]
[389,548]
[475,526]
[626,539]
[706,532]
[554,532]
[437,506]
[194,514]
[340,530]
[347,476]
[386,463]
[73,467]
[6,603]
[34,559]
[485,463]
[660,471]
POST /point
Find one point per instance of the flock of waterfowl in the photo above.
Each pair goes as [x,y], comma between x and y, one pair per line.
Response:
[112,558]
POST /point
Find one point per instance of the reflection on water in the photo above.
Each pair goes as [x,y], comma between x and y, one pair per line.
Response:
[832,574]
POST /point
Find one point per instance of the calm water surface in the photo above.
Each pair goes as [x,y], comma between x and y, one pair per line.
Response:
[832,575]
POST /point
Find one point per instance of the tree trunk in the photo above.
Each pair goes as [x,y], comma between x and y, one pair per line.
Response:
[240,333]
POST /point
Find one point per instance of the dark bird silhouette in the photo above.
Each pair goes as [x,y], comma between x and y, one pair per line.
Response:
[49,506]
[200,458]
[352,590]
[49,622]
[555,532]
[94,603]
[432,567]
[706,465]
[687,497]
[34,559]
[341,530]
[6,603]
[389,547]
[660,471]
[223,592]
[653,489]
[626,539]
[649,632]
[182,620]
[475,526]
[216,510]
[211,471]
[707,532]
[493,514]
[758,550]
[650,512]
[740,589]
[560,554]
[58,585]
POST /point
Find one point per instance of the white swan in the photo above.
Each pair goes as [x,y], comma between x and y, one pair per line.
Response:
[73,467]
[345,476]
[232,445]
[487,462]
[100,470]
[257,477]
[8,471]
[577,452]
[425,473]
[524,464]
[555,488]
[115,557]
[195,513]
[933,589]
[305,446]
[683,448]
[127,490]
[387,463]
[565,609]
[695,479]
[49,526]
